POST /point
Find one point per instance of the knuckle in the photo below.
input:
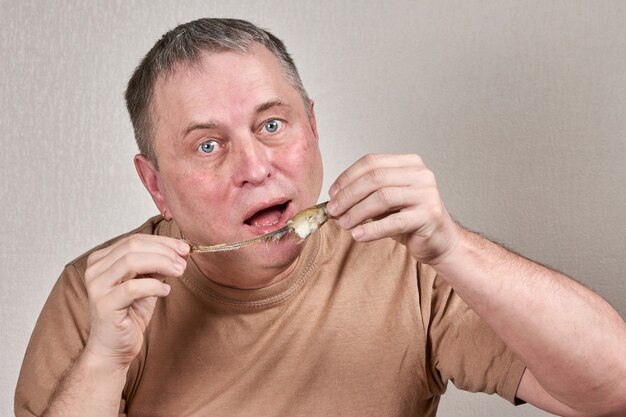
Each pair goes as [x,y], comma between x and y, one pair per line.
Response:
[385,196]
[343,179]
[371,158]
[132,244]
[429,176]
[436,211]
[346,195]
[91,259]
[399,222]
[130,289]
[376,177]
[374,229]
[128,260]
[415,159]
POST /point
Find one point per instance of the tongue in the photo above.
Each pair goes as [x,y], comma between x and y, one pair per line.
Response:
[265,217]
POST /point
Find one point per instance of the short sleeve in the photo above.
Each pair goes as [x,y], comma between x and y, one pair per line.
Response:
[58,338]
[60,335]
[461,347]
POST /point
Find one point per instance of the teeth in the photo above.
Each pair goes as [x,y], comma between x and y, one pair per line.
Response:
[267,217]
[267,224]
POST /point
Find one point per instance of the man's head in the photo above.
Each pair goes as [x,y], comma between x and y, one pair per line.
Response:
[236,142]
[183,46]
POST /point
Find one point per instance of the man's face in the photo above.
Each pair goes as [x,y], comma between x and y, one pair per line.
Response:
[237,155]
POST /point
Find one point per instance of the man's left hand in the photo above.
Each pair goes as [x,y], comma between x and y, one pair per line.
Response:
[394,196]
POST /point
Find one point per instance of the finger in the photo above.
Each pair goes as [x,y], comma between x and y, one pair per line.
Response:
[377,204]
[369,162]
[389,226]
[126,294]
[131,265]
[370,182]
[421,218]
[181,247]
[410,170]
[171,248]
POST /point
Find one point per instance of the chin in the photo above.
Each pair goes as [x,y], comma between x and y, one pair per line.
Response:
[278,255]
[255,266]
[264,261]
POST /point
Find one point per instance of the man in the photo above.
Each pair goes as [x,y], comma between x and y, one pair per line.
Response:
[369,316]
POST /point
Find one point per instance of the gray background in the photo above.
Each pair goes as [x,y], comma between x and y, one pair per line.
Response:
[518,106]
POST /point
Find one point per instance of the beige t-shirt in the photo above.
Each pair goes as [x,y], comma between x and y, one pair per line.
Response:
[357,329]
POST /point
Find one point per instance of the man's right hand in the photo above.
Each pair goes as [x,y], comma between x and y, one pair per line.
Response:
[123,282]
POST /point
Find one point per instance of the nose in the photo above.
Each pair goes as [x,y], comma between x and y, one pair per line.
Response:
[252,162]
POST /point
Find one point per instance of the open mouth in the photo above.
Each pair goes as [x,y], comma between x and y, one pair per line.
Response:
[268,217]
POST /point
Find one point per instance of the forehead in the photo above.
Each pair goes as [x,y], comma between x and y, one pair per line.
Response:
[217,77]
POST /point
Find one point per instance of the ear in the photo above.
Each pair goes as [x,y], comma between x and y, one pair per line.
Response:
[312,120]
[150,178]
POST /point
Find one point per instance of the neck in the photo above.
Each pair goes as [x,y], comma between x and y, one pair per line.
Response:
[240,274]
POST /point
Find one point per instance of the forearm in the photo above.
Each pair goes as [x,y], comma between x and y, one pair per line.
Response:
[89,388]
[569,337]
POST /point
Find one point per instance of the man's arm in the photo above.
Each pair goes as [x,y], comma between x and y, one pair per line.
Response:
[89,387]
[571,340]
[120,306]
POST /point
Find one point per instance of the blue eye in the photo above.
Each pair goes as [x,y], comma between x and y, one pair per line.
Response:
[208,147]
[272,125]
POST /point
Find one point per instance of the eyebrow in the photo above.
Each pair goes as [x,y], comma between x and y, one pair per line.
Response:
[194,126]
[212,124]
[269,104]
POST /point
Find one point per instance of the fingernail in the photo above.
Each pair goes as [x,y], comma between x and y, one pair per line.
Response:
[357,233]
[167,288]
[332,206]
[333,190]
[183,248]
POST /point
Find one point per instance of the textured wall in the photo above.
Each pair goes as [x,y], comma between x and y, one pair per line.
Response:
[518,106]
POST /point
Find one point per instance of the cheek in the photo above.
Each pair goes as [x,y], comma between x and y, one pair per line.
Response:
[194,191]
[303,160]
[296,156]
[311,150]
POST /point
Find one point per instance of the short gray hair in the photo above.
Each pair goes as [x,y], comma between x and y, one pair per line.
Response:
[184,45]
